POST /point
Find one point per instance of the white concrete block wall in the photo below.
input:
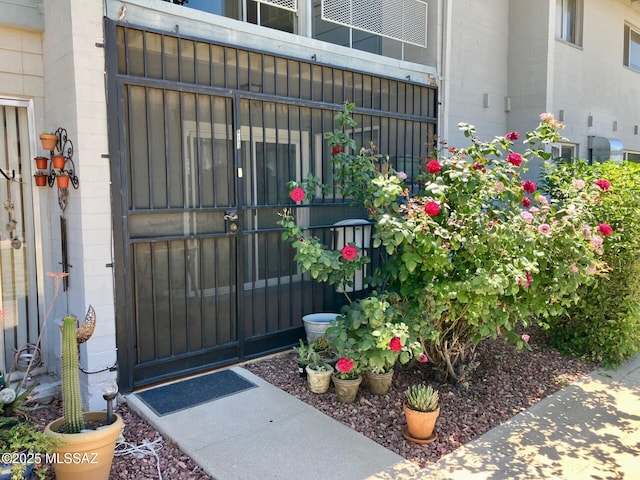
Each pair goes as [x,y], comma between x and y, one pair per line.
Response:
[76,100]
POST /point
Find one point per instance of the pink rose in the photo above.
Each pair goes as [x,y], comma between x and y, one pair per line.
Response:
[527,216]
[432,209]
[605,229]
[499,187]
[603,184]
[529,186]
[395,345]
[544,229]
[401,175]
[525,338]
[349,252]
[515,159]
[297,194]
[512,136]
[422,358]
[433,166]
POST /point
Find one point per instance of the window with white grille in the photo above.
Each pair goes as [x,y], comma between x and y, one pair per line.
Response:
[404,20]
[286,4]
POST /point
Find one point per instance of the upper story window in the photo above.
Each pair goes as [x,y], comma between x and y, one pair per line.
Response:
[276,14]
[392,28]
[631,48]
[569,21]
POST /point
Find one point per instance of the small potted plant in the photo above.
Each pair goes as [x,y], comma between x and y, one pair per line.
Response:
[318,374]
[77,441]
[421,410]
[305,356]
[347,380]
[327,353]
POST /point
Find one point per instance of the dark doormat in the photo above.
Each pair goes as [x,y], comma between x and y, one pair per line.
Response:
[194,391]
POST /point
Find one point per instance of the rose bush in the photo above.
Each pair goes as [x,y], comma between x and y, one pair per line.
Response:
[476,253]
[606,326]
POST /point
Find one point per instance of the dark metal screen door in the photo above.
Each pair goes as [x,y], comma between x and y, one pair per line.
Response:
[182,230]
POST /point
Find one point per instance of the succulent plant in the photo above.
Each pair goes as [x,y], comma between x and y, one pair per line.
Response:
[423,398]
[71,397]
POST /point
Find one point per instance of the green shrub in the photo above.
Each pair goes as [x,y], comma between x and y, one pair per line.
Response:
[605,325]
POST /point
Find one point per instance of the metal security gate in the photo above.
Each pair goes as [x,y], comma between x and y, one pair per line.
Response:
[206,138]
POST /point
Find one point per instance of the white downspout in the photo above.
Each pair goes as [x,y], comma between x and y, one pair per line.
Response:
[443,64]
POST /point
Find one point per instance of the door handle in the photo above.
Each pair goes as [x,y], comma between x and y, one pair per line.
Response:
[231,216]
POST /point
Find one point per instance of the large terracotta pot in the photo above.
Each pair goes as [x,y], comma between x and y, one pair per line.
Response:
[346,390]
[48,141]
[319,381]
[379,383]
[420,425]
[89,455]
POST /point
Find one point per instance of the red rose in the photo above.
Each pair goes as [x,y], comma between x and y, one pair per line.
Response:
[605,229]
[478,166]
[526,202]
[422,358]
[512,136]
[344,365]
[603,184]
[432,209]
[297,194]
[529,186]
[349,252]
[337,149]
[433,166]
[515,159]
[395,345]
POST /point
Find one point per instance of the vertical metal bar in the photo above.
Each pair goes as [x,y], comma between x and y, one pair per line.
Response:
[147,149]
[165,114]
[65,258]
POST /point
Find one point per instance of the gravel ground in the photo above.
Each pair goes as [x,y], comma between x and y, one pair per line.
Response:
[506,382]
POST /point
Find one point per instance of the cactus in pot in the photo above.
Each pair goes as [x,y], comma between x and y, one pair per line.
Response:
[76,441]
[71,397]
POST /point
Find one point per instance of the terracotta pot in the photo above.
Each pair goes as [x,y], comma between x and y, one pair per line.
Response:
[420,424]
[41,163]
[346,390]
[379,383]
[41,180]
[85,455]
[48,141]
[62,181]
[58,162]
[319,381]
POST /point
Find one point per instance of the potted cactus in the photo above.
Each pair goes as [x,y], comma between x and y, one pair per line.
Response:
[421,411]
[87,442]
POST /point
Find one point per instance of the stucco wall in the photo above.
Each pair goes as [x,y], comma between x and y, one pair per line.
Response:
[478,67]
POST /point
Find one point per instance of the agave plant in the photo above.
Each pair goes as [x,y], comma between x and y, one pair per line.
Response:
[423,398]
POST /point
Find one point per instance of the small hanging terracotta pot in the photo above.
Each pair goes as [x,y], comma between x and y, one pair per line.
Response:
[48,141]
[58,161]
[62,181]
[41,163]
[41,180]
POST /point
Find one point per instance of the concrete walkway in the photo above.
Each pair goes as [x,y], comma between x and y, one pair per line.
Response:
[591,429]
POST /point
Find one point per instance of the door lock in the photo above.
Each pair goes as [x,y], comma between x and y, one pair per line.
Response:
[231,219]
